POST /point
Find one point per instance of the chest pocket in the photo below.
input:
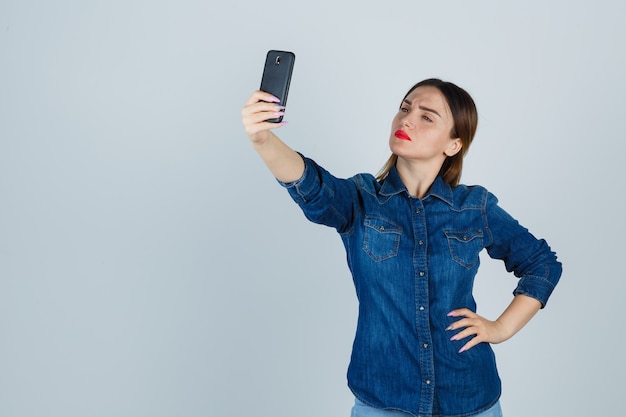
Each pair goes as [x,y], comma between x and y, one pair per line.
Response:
[381,238]
[465,246]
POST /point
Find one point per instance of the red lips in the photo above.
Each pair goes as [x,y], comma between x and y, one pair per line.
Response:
[401,134]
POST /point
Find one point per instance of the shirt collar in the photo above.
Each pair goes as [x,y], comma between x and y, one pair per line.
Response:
[392,184]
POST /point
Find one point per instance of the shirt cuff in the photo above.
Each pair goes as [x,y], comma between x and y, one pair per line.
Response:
[535,287]
[308,184]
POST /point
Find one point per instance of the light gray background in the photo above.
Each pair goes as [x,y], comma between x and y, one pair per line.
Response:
[150,265]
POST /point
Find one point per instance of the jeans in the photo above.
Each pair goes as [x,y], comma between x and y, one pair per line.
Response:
[362,410]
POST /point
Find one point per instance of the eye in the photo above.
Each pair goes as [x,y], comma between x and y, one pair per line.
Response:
[428,119]
[404,109]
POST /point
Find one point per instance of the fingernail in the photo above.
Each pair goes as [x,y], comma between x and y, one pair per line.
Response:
[278,107]
[453,338]
[450,314]
[279,113]
[463,349]
[275,99]
[449,328]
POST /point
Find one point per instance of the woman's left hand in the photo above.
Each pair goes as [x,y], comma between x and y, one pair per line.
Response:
[482,329]
[516,315]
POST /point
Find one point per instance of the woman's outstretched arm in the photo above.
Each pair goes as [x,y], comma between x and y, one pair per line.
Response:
[284,163]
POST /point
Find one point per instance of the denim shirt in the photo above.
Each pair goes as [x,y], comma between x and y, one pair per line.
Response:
[412,262]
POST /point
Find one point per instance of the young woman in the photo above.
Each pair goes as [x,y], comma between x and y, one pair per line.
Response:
[413,236]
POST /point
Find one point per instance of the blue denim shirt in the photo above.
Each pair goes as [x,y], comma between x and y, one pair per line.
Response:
[412,261]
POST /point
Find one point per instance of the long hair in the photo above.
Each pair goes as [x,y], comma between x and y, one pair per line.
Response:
[465,118]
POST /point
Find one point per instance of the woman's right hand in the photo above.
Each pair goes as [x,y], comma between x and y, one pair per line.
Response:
[258,108]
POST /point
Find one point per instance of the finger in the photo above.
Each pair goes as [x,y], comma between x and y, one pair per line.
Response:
[461,312]
[259,107]
[271,125]
[467,332]
[465,322]
[253,130]
[469,345]
[459,324]
[262,116]
[259,95]
[258,110]
[260,124]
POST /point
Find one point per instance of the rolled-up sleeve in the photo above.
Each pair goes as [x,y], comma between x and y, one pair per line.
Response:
[307,184]
[530,259]
[324,198]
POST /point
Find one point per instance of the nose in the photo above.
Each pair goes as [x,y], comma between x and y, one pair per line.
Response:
[406,121]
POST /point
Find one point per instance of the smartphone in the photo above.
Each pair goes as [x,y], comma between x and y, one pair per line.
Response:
[277,76]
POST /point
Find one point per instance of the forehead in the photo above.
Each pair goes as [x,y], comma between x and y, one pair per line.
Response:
[430,97]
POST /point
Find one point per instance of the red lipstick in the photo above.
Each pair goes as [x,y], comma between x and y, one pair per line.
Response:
[401,134]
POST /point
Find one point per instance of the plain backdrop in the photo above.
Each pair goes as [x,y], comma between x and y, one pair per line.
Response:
[151,266]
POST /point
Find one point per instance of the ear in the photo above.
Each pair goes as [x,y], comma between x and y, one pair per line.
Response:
[454,147]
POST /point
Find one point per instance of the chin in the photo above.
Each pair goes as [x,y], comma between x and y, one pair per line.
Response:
[397,146]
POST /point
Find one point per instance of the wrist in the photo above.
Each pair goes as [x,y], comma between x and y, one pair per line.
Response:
[504,330]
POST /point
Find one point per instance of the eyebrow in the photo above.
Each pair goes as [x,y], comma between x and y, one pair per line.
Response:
[428,109]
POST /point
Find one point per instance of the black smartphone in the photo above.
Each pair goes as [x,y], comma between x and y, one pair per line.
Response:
[277,76]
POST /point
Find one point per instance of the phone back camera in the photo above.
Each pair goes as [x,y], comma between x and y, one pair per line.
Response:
[277,61]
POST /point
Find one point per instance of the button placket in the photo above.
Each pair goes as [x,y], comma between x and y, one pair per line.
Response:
[422,323]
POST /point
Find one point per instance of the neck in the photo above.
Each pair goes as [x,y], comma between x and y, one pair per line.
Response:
[417,177]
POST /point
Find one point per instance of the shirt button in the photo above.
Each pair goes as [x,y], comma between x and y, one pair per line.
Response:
[421,273]
[421,308]
[421,242]
[418,211]
[425,345]
[428,382]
